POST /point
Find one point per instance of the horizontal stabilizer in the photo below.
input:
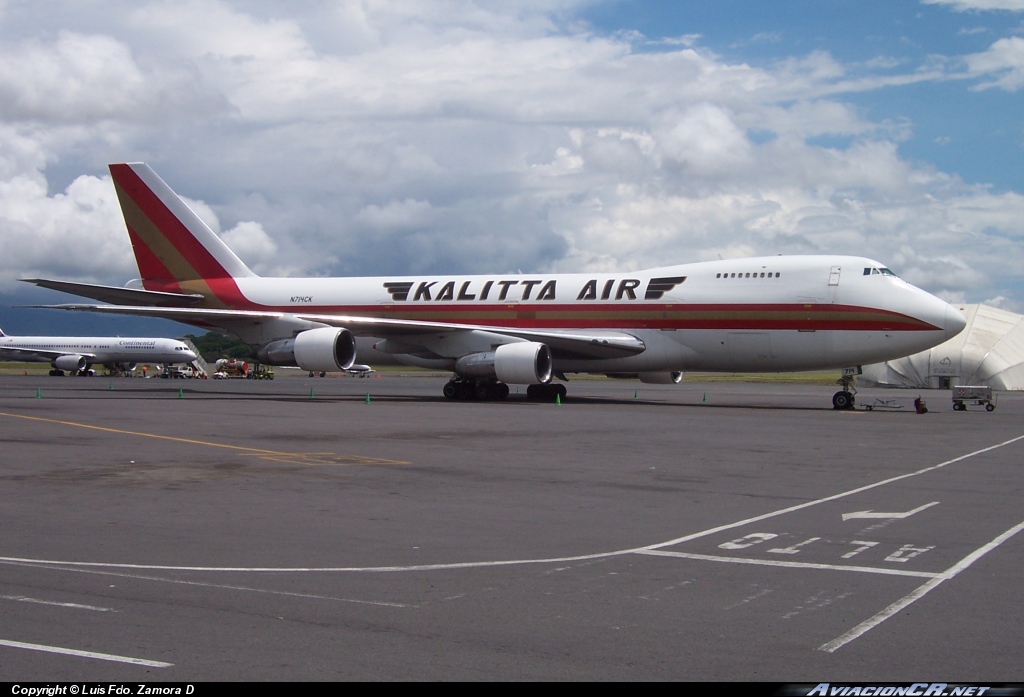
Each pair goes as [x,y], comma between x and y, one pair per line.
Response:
[119,296]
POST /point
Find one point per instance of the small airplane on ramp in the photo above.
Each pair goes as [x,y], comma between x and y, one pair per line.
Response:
[768,314]
[77,354]
[356,370]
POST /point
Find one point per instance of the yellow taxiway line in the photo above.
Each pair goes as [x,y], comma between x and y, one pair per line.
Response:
[280,456]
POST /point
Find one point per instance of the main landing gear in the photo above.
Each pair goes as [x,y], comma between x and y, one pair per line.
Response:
[546,393]
[844,399]
[466,390]
[489,391]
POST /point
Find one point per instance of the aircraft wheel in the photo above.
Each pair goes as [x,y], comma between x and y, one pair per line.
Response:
[561,391]
[502,390]
[482,393]
[539,393]
[842,400]
[449,390]
[990,407]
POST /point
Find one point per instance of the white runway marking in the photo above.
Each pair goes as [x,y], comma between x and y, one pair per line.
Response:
[919,593]
[888,516]
[225,586]
[791,564]
[74,606]
[85,654]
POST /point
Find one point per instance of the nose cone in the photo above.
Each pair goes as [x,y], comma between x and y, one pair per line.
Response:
[954,322]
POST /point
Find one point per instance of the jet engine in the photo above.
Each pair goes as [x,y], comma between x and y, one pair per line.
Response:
[318,350]
[521,363]
[73,363]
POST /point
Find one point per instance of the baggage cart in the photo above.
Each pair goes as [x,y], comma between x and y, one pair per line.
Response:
[974,395]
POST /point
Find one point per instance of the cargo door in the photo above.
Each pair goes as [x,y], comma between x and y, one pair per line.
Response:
[750,350]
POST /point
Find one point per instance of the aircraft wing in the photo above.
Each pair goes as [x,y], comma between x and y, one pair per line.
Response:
[114,294]
[33,355]
[593,343]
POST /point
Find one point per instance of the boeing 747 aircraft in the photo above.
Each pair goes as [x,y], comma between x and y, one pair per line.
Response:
[77,354]
[739,315]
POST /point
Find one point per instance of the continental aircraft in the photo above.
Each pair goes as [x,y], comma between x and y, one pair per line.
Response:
[77,354]
[782,313]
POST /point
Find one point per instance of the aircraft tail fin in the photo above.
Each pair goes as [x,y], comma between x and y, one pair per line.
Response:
[2,332]
[175,250]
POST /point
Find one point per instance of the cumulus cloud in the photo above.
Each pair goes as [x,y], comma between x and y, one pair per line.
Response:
[442,137]
[77,234]
[80,79]
[1005,60]
[981,5]
[254,246]
[395,215]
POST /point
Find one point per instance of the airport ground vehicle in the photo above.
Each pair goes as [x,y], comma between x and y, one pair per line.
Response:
[976,395]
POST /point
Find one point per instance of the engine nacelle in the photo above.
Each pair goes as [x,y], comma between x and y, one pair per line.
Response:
[323,350]
[671,378]
[521,363]
[73,363]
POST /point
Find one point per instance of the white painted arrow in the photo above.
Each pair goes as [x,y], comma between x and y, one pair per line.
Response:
[872,514]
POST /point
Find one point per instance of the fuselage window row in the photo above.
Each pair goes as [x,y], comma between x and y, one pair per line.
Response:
[748,275]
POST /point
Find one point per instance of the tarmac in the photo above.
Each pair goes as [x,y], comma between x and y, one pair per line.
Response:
[369,529]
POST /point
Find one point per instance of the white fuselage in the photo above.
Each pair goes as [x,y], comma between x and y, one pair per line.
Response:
[762,314]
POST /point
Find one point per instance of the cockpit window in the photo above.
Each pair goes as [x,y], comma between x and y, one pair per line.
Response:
[875,271]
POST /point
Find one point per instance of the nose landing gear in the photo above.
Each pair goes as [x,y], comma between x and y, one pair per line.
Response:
[844,399]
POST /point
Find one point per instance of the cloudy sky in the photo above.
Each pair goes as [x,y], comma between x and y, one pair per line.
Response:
[423,136]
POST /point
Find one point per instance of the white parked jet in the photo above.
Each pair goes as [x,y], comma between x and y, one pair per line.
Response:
[739,315]
[360,370]
[77,354]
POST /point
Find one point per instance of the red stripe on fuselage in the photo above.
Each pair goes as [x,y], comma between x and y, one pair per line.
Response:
[631,316]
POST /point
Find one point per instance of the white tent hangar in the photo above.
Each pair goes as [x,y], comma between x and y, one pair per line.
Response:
[989,351]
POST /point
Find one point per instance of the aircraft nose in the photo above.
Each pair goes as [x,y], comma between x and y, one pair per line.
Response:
[955,322]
